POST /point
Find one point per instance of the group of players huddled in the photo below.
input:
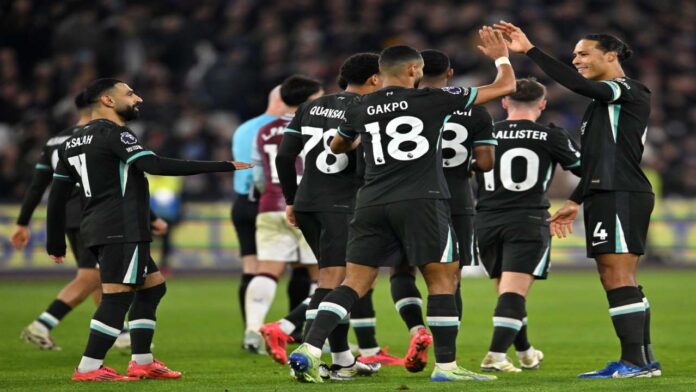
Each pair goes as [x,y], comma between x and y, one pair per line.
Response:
[374,176]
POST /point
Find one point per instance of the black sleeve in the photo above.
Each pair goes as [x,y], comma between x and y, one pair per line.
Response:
[39,183]
[55,218]
[290,148]
[161,166]
[570,78]
[576,196]
[153,216]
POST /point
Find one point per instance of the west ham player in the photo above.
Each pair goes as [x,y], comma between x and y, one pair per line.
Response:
[467,144]
[616,194]
[402,207]
[246,206]
[511,228]
[107,160]
[321,206]
[277,242]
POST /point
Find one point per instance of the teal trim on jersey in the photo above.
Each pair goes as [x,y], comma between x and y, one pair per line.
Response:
[62,177]
[472,96]
[123,176]
[442,129]
[576,164]
[541,266]
[290,130]
[614,112]
[492,142]
[138,155]
[615,89]
[548,177]
[41,166]
[620,239]
[344,135]
[132,272]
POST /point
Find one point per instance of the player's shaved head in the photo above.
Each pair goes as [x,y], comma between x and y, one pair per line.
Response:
[436,63]
[394,59]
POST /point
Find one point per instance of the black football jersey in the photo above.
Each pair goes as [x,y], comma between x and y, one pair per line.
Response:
[465,130]
[613,137]
[115,194]
[401,132]
[48,161]
[329,181]
[525,160]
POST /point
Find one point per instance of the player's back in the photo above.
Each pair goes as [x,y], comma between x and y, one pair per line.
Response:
[49,160]
[116,209]
[329,180]
[525,160]
[401,132]
[267,143]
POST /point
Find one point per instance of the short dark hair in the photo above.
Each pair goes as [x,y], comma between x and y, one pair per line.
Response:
[80,101]
[436,62]
[610,43]
[398,54]
[358,68]
[97,87]
[528,90]
[298,88]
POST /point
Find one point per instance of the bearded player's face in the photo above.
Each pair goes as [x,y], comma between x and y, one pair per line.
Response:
[127,102]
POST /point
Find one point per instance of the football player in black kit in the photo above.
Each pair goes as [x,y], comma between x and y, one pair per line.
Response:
[403,204]
[615,193]
[511,227]
[108,162]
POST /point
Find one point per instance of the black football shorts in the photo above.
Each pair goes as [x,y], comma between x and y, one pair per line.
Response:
[464,227]
[327,235]
[125,263]
[517,247]
[84,256]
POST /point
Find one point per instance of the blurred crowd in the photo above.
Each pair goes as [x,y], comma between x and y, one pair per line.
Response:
[204,66]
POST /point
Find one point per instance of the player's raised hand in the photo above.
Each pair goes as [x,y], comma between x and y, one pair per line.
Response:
[241,165]
[494,44]
[58,259]
[561,223]
[20,237]
[518,39]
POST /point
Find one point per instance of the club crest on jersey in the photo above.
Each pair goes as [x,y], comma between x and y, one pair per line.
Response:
[128,138]
[456,90]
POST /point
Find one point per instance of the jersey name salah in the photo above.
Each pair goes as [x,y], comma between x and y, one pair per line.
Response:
[267,143]
[525,160]
[48,161]
[401,132]
[462,133]
[115,194]
[613,137]
[329,181]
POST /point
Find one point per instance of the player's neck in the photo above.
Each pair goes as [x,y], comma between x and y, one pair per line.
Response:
[396,81]
[360,90]
[428,82]
[99,114]
[612,73]
[520,114]
[84,119]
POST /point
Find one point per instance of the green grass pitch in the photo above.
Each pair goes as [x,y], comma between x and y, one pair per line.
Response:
[199,332]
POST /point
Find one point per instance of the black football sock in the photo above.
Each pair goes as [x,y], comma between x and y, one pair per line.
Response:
[458,300]
[142,318]
[106,323]
[298,287]
[296,318]
[334,308]
[55,312]
[521,340]
[362,319]
[312,309]
[407,299]
[443,323]
[507,321]
[647,346]
[246,278]
[627,312]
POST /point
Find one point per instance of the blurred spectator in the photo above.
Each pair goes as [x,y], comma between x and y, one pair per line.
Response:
[190,59]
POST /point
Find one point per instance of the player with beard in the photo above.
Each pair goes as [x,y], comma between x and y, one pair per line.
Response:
[403,205]
[108,162]
[616,195]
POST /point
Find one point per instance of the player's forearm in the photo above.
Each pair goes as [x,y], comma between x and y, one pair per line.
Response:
[161,166]
[289,150]
[569,77]
[340,145]
[55,218]
[504,84]
[39,183]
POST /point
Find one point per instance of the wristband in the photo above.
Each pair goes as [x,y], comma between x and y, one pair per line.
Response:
[502,60]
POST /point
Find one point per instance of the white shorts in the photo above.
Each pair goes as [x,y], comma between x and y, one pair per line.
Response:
[277,240]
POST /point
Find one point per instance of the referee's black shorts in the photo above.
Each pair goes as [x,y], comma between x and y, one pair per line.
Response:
[243,215]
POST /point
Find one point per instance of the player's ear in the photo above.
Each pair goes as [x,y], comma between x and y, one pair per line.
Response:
[504,103]
[374,80]
[610,56]
[542,104]
[450,73]
[107,101]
